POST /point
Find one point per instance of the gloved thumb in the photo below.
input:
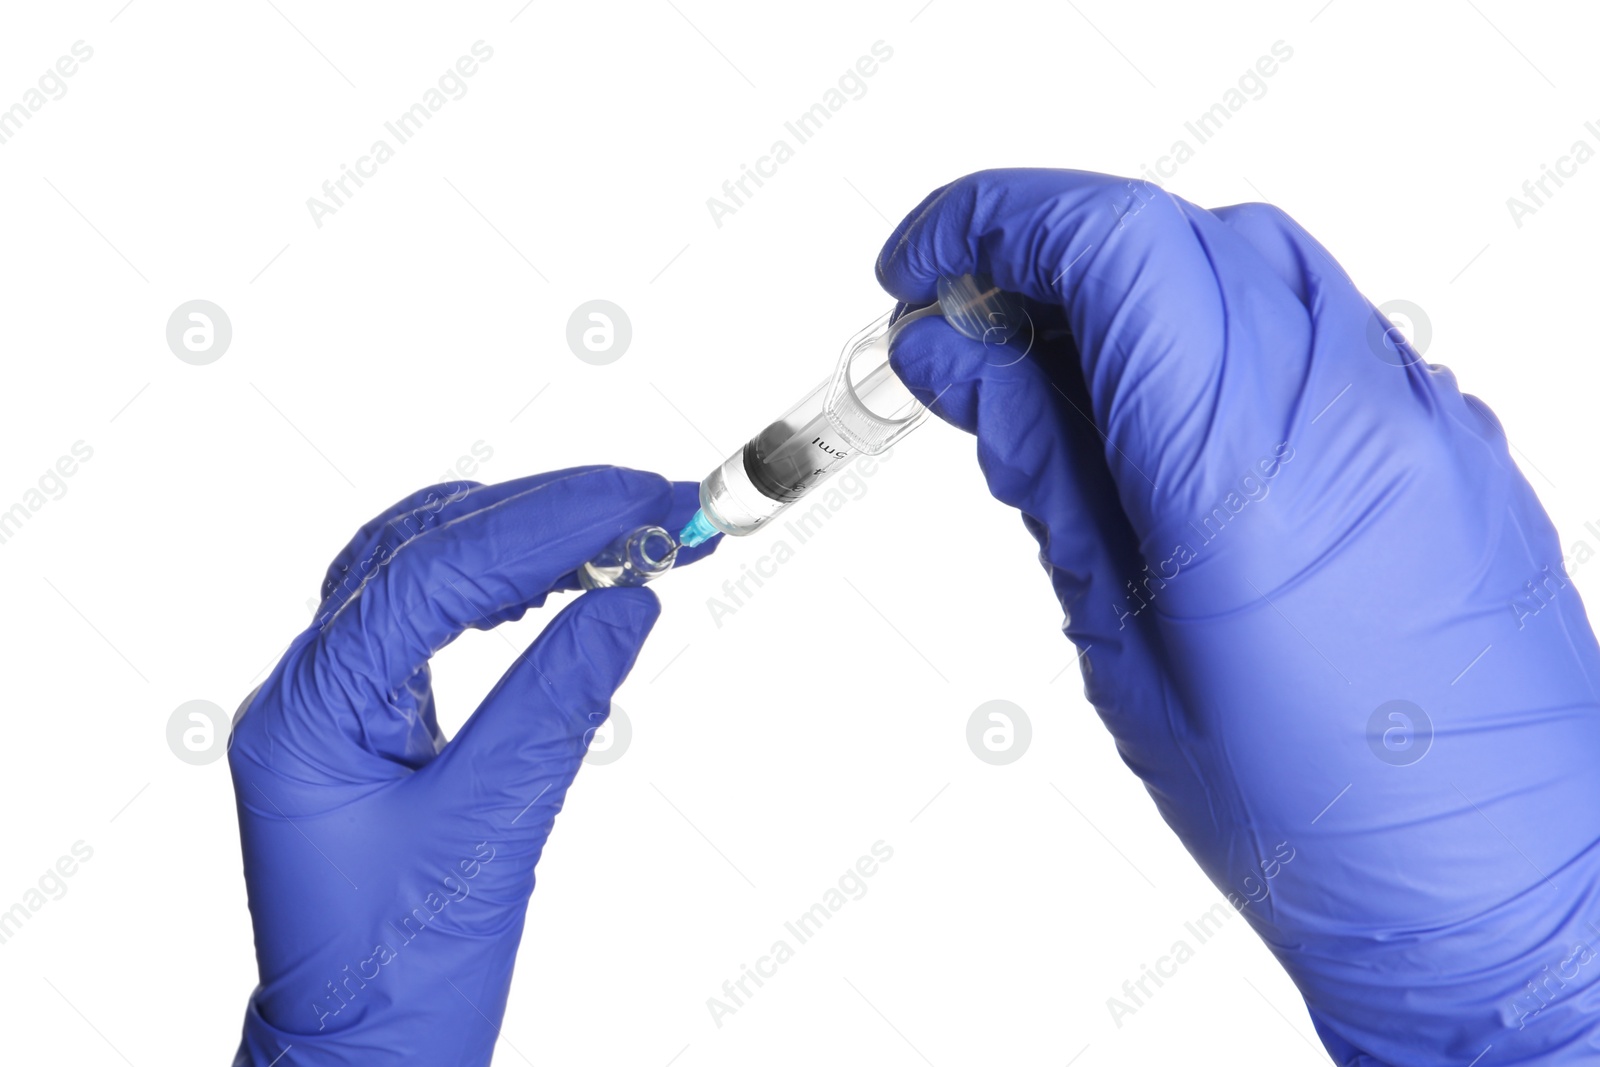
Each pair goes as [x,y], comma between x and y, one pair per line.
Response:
[1040,453]
[509,767]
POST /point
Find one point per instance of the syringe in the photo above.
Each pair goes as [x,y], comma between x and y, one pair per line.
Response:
[861,409]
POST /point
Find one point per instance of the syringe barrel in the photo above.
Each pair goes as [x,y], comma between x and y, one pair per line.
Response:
[862,408]
[774,468]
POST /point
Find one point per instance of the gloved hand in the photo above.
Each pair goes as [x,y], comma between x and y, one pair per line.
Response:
[1267,521]
[389,871]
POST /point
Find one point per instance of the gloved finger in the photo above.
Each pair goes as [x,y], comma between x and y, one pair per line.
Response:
[1192,349]
[518,753]
[410,734]
[942,374]
[487,565]
[382,535]
[1299,260]
[1040,452]
[1309,270]
[427,508]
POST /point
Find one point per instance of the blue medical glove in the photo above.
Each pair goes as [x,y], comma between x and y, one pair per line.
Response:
[1321,612]
[388,870]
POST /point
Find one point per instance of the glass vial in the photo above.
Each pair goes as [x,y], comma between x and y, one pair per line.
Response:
[632,559]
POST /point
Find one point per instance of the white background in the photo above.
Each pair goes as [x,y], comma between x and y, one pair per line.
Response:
[423,317]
